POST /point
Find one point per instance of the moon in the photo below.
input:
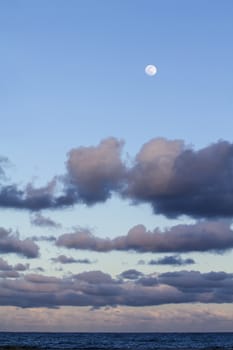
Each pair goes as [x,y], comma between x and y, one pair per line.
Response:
[150,70]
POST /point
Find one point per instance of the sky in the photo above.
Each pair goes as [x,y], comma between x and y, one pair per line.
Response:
[116,188]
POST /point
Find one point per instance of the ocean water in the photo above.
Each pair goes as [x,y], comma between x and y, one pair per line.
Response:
[120,341]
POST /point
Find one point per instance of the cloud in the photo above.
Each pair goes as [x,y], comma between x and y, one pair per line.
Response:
[173,178]
[4,161]
[33,199]
[171,260]
[9,271]
[193,282]
[39,220]
[10,243]
[94,172]
[153,168]
[54,195]
[177,180]
[164,318]
[63,259]
[9,274]
[202,236]
[95,277]
[43,238]
[131,274]
[83,239]
[4,266]
[97,289]
[21,267]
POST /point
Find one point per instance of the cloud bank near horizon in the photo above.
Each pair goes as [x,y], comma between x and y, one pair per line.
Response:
[172,177]
[97,289]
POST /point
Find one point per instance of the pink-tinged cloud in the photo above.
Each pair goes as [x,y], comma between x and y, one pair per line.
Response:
[153,168]
[164,318]
[201,236]
[173,178]
[178,180]
[96,171]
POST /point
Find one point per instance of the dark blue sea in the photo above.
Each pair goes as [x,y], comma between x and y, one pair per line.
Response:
[120,341]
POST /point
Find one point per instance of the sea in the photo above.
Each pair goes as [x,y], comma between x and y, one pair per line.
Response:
[118,341]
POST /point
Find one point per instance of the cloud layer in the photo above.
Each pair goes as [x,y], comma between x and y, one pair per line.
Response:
[172,177]
[98,289]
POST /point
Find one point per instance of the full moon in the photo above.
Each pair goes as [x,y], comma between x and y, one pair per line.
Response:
[150,70]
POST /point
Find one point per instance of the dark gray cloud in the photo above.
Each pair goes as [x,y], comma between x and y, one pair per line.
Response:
[172,260]
[177,180]
[195,282]
[63,259]
[10,271]
[4,266]
[201,236]
[10,243]
[95,277]
[83,239]
[43,238]
[35,199]
[39,220]
[131,274]
[98,289]
[148,281]
[12,197]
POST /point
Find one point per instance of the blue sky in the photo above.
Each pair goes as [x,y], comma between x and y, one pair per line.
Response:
[72,75]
